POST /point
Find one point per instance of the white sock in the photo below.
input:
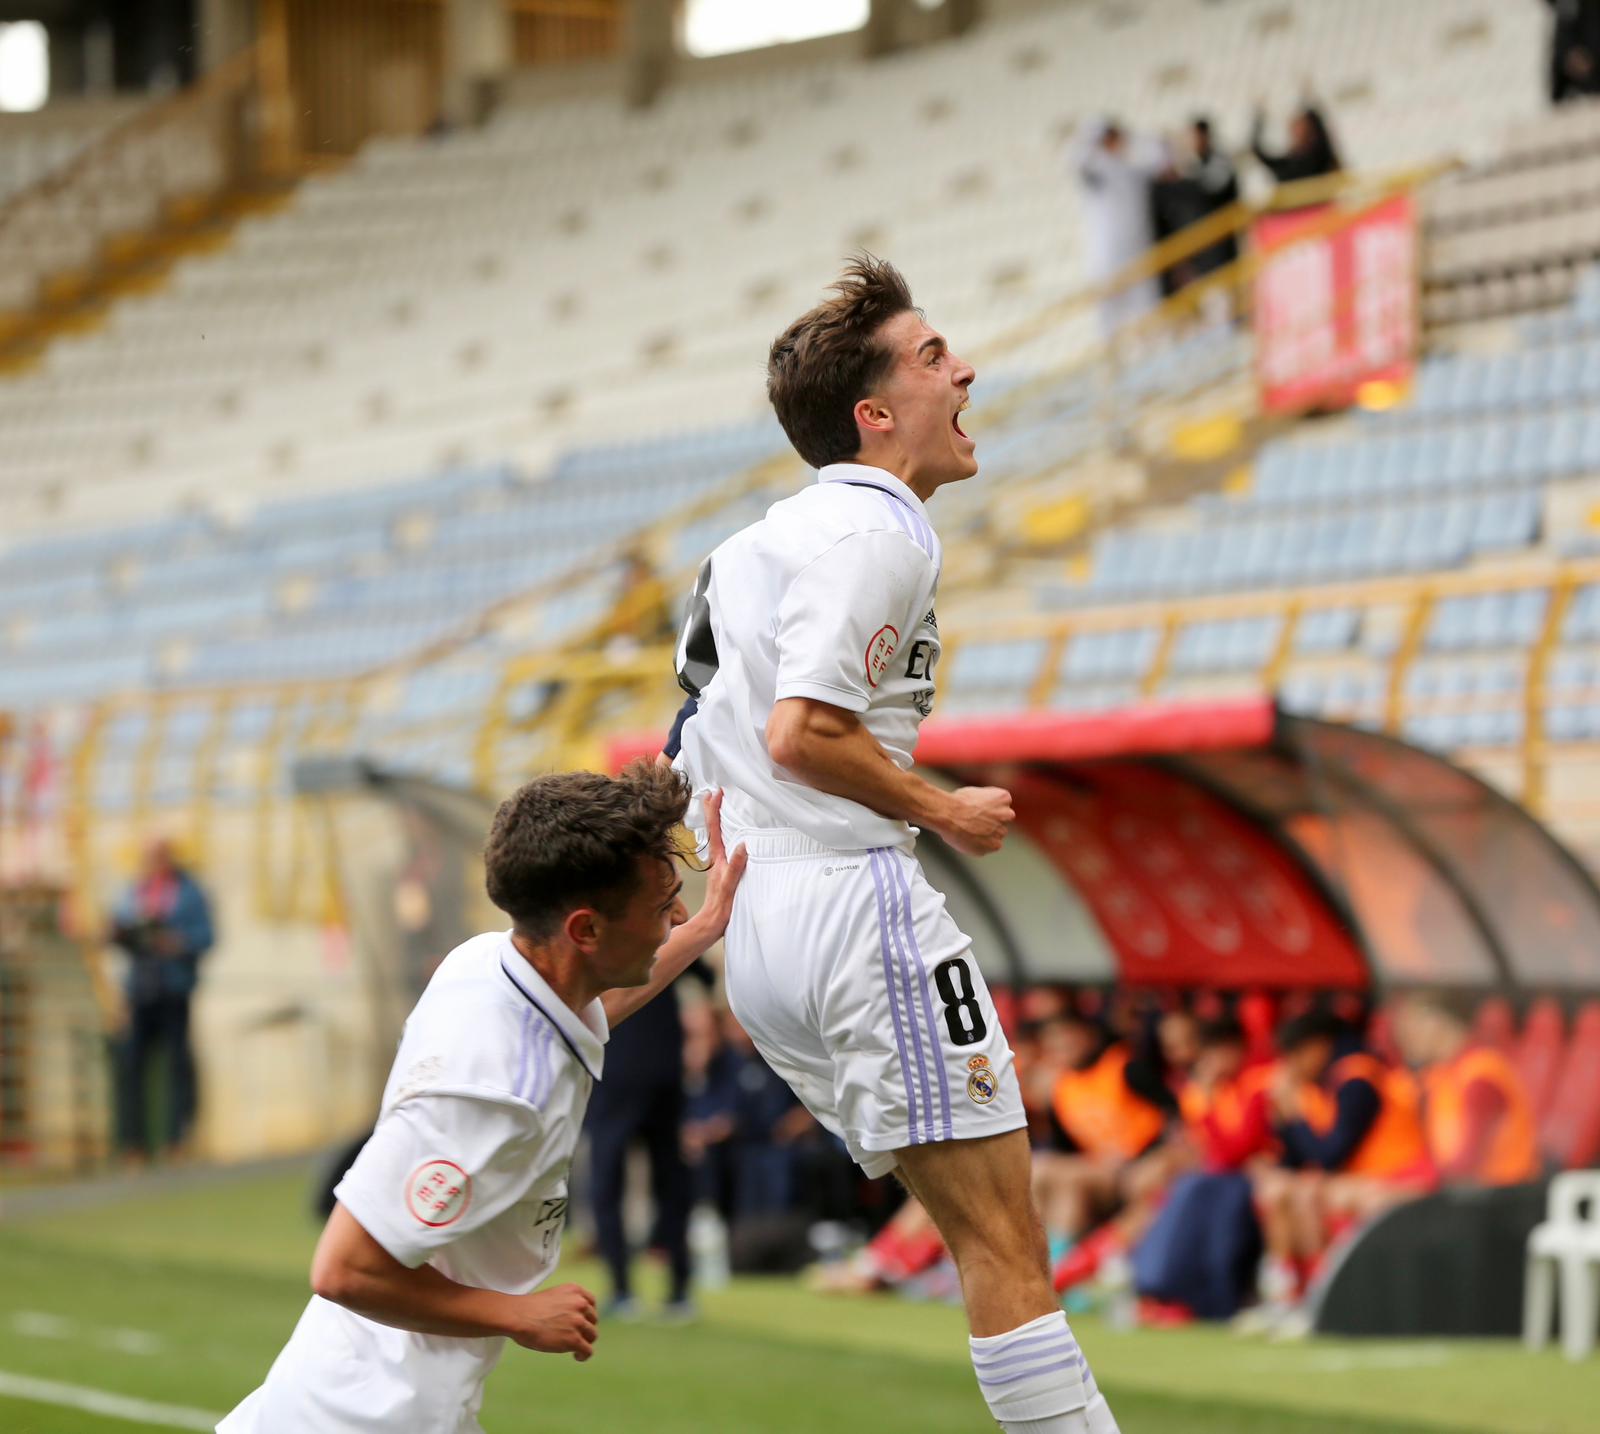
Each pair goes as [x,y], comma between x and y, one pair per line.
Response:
[1034,1377]
[1094,1419]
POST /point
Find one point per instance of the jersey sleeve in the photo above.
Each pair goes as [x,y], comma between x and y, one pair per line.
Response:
[440,1166]
[845,615]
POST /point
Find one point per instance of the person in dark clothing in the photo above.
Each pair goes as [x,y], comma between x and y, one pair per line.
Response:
[1345,1123]
[163,925]
[1574,50]
[1315,1135]
[1188,192]
[745,1131]
[1215,181]
[641,1101]
[1311,152]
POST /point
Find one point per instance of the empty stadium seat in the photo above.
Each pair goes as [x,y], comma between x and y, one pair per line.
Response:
[1569,1131]
[1494,1024]
[1539,1053]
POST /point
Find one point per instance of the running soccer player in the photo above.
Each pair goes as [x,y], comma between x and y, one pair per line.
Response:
[451,1215]
[809,651]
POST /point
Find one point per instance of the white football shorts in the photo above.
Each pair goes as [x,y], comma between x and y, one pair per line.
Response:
[859,989]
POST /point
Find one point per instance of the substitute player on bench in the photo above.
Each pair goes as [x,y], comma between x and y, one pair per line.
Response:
[810,646]
[451,1215]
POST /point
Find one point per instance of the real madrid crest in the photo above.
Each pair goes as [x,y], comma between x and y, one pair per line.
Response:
[982,1087]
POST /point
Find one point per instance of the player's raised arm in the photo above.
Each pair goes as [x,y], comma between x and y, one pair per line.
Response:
[699,933]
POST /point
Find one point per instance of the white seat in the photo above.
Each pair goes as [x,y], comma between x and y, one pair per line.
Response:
[1565,1249]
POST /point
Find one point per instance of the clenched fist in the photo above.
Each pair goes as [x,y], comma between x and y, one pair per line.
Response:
[977,819]
[564,1320]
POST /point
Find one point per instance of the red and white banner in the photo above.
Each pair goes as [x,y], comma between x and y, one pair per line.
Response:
[1338,310]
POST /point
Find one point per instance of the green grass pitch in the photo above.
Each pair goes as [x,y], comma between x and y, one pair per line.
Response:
[182,1297]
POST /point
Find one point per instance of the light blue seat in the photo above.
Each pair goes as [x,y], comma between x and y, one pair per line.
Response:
[1326,630]
[1000,665]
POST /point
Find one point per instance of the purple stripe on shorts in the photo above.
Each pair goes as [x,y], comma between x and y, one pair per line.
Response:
[897,930]
[946,1121]
[894,1004]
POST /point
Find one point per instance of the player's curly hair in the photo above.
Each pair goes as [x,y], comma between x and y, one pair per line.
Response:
[828,360]
[574,839]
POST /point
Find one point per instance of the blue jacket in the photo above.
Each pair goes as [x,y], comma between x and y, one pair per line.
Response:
[150,975]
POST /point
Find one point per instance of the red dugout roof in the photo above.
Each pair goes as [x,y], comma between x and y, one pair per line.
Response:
[1232,844]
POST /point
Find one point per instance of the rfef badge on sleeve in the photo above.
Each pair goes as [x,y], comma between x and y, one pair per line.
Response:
[438,1192]
[879,650]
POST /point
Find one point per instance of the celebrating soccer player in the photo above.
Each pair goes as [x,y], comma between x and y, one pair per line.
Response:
[809,651]
[451,1215]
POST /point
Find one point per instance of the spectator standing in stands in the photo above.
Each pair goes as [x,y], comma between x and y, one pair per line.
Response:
[1188,192]
[1574,49]
[163,925]
[1479,1124]
[641,1101]
[1215,181]
[1114,175]
[1311,152]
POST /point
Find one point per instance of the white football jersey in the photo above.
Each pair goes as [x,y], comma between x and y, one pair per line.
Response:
[829,596]
[467,1172]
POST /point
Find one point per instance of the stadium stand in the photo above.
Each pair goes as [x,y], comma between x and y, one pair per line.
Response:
[490,355]
[36,145]
[360,478]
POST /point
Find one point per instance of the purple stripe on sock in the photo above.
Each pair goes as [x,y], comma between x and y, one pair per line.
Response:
[1050,1366]
[894,1005]
[1067,1350]
[947,1123]
[908,984]
[1056,1339]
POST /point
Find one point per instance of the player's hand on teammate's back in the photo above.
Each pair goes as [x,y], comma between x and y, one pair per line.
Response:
[563,1320]
[722,876]
[978,820]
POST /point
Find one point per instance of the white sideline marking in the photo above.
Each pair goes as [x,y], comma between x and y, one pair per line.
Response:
[98,1401]
[36,1325]
[1347,1361]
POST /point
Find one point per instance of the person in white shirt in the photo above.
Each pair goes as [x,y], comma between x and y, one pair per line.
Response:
[451,1216]
[809,650]
[1114,175]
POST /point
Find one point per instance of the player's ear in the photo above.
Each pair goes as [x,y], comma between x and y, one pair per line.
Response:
[582,928]
[873,416]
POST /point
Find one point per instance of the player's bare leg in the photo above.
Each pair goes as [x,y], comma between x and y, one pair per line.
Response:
[1028,1364]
